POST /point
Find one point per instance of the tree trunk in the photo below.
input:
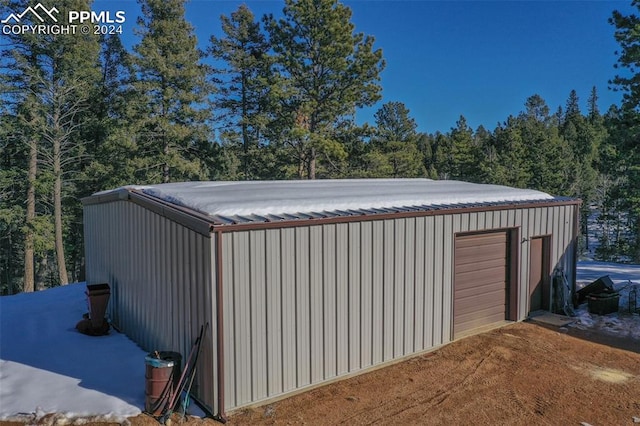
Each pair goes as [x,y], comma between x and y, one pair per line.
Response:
[245,130]
[637,250]
[312,163]
[57,213]
[301,164]
[165,166]
[29,267]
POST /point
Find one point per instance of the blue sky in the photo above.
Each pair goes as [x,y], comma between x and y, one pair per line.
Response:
[480,59]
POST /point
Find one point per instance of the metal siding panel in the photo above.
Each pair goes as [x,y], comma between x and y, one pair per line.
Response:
[355,297]
[146,257]
[447,280]
[167,327]
[481,218]
[504,218]
[329,305]
[488,220]
[473,222]
[538,221]
[173,286]
[303,307]
[398,284]
[419,264]
[257,273]
[289,309]
[522,220]
[343,265]
[209,303]
[569,247]
[429,274]
[207,377]
[366,293]
[274,312]
[237,330]
[182,287]
[549,227]
[438,280]
[316,304]
[153,265]
[409,285]
[378,306]
[388,289]
[457,222]
[497,219]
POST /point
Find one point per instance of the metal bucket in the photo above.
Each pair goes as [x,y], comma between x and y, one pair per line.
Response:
[98,296]
[162,373]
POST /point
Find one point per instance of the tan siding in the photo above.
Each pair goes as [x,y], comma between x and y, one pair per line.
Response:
[316,303]
[388,289]
[447,279]
[328,285]
[398,285]
[377,321]
[355,303]
[152,285]
[301,305]
[409,286]
[274,312]
[429,273]
[366,293]
[438,281]
[288,259]
[419,295]
[343,289]
[258,309]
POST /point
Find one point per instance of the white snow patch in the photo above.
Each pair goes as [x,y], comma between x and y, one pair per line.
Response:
[625,278]
[47,366]
[305,196]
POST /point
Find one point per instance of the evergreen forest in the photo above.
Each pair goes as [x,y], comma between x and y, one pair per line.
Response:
[272,98]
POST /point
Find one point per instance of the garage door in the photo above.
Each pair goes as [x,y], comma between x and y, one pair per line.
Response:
[480,281]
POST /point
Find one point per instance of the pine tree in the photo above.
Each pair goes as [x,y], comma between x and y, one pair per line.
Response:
[56,75]
[394,144]
[325,72]
[441,154]
[548,155]
[581,137]
[112,144]
[510,166]
[242,97]
[464,152]
[169,124]
[626,127]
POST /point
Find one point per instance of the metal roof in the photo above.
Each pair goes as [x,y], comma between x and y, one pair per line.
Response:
[304,216]
[227,205]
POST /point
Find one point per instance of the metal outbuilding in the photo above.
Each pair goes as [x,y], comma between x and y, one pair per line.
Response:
[305,282]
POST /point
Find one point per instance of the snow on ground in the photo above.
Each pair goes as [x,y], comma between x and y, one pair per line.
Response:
[625,278]
[46,366]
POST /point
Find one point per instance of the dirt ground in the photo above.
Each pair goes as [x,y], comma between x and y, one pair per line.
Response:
[522,374]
